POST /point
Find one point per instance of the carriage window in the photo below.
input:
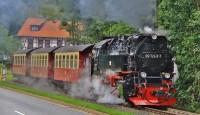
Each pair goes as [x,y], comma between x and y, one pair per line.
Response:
[75,61]
[37,62]
[42,60]
[45,61]
[71,61]
[56,65]
[22,58]
[37,59]
[60,61]
[67,61]
[34,61]
[31,60]
[63,61]
[19,60]
[15,59]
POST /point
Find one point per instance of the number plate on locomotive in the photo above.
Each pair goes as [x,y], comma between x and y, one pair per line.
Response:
[152,56]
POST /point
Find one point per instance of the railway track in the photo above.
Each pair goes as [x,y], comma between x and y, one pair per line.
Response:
[154,111]
[169,111]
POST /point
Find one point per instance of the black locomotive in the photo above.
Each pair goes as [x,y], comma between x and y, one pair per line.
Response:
[142,63]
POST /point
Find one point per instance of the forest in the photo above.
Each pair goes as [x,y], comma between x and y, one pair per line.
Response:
[179,18]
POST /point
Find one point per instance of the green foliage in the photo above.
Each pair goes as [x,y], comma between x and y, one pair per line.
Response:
[117,28]
[98,29]
[8,44]
[181,17]
[91,31]
[194,23]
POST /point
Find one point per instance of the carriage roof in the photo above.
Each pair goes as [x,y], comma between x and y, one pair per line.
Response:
[75,48]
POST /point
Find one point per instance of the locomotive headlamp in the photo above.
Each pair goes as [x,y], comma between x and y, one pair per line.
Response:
[167,75]
[154,37]
[143,74]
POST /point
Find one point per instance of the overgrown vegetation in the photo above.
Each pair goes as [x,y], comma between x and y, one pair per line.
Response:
[8,44]
[64,98]
[182,19]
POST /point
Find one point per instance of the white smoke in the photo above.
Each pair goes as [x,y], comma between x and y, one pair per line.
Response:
[37,83]
[148,30]
[93,88]
[158,31]
[133,12]
[176,76]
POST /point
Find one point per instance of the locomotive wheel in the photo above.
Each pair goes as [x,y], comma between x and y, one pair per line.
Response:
[128,89]
[125,92]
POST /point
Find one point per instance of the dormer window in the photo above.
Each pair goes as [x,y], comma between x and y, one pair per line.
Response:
[35,27]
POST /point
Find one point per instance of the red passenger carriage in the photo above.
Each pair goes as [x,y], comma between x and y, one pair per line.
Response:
[70,62]
[21,62]
[42,63]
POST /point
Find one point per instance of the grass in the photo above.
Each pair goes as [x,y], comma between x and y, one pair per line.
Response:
[63,98]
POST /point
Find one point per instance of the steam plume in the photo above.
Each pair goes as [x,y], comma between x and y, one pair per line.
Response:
[135,12]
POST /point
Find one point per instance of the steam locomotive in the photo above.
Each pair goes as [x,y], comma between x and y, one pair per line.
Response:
[141,64]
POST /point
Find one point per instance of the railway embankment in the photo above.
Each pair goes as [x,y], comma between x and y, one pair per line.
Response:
[84,105]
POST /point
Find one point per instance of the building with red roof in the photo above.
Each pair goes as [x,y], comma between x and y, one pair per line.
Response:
[36,32]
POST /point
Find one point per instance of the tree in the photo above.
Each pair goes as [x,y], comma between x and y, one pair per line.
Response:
[8,44]
[98,29]
[181,17]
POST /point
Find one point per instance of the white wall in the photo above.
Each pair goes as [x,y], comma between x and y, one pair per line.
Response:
[53,42]
[35,42]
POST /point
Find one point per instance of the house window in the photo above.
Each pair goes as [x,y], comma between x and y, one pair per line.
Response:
[40,43]
[59,43]
[30,43]
[35,27]
[47,43]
